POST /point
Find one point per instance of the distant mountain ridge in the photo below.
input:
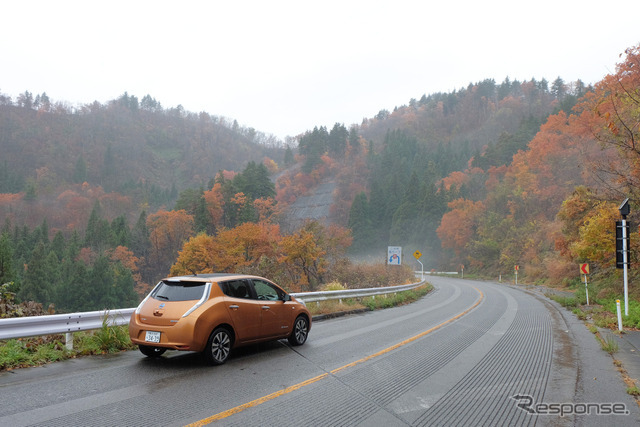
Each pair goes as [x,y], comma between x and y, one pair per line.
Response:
[127,148]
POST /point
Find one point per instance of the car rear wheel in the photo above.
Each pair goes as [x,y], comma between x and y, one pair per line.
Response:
[300,331]
[149,351]
[218,346]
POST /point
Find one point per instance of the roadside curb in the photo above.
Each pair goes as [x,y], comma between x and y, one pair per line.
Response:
[628,351]
[321,317]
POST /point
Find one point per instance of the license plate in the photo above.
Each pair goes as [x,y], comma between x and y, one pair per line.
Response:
[152,336]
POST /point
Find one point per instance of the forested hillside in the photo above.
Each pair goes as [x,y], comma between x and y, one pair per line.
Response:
[533,179]
[96,201]
[493,175]
[130,154]
[100,202]
[397,172]
[444,148]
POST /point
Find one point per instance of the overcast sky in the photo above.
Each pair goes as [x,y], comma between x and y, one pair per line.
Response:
[283,67]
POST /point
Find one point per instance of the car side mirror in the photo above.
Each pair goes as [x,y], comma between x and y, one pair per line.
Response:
[286,297]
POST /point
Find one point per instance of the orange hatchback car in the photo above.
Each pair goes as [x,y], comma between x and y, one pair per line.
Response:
[214,313]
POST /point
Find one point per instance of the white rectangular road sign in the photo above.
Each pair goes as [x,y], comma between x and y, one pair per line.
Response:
[394,255]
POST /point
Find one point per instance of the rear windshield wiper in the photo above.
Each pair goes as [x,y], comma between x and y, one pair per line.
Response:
[162,296]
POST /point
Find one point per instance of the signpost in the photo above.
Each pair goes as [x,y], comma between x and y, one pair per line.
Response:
[516,268]
[622,249]
[417,255]
[584,269]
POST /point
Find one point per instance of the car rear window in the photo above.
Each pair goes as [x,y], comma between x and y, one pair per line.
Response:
[179,291]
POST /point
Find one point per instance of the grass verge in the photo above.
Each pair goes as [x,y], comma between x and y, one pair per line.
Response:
[603,313]
[25,352]
[370,303]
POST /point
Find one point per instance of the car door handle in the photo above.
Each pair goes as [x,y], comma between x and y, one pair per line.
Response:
[265,307]
[234,307]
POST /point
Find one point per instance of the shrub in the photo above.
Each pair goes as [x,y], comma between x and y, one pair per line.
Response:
[333,286]
[358,276]
[110,339]
[9,308]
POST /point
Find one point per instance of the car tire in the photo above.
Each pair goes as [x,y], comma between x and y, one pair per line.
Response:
[219,346]
[150,351]
[300,331]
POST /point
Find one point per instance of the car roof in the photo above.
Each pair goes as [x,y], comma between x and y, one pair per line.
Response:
[208,277]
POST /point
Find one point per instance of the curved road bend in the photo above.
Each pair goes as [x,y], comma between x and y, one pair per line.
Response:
[459,356]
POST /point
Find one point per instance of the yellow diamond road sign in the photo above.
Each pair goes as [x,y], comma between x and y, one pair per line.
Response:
[417,254]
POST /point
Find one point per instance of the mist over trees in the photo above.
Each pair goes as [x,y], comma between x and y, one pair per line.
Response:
[134,148]
[414,161]
[99,202]
[496,175]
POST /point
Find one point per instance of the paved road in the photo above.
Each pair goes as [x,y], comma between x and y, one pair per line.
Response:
[457,357]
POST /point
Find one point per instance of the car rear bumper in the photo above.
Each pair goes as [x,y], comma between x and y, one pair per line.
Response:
[177,337]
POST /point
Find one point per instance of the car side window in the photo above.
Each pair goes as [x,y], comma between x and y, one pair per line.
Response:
[236,289]
[266,291]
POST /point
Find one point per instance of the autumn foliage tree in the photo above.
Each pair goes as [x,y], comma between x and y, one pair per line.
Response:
[458,226]
[128,260]
[195,257]
[168,230]
[596,238]
[297,261]
[611,114]
[311,251]
[231,250]
[304,259]
[555,203]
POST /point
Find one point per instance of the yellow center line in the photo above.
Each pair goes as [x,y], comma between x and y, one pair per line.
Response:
[298,386]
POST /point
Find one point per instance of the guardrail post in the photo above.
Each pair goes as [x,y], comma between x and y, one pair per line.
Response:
[69,340]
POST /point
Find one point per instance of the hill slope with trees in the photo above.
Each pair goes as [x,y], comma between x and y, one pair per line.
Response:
[493,175]
[106,199]
[133,153]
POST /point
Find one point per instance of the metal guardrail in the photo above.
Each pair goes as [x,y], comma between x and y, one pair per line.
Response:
[353,293]
[21,327]
[437,273]
[33,326]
